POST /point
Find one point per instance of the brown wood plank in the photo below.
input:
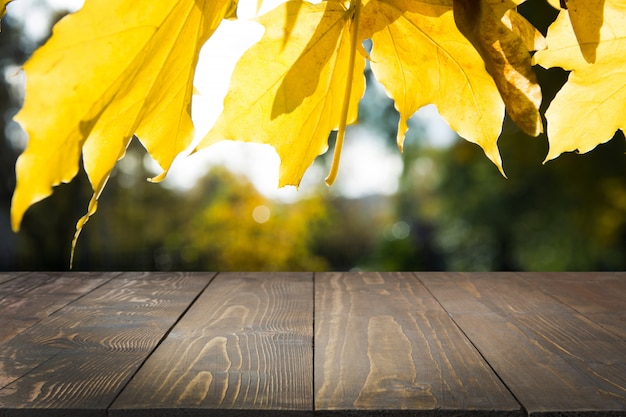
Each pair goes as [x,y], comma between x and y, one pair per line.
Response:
[383,343]
[76,361]
[244,348]
[600,296]
[7,276]
[28,298]
[552,358]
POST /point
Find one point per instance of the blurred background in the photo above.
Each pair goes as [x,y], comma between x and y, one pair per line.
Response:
[440,205]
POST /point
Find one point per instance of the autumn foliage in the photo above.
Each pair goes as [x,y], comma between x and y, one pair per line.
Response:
[121,68]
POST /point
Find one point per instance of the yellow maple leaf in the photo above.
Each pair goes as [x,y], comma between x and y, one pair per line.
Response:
[290,93]
[418,54]
[498,39]
[111,70]
[586,17]
[421,58]
[591,105]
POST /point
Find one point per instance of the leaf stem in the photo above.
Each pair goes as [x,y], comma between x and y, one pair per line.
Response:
[341,131]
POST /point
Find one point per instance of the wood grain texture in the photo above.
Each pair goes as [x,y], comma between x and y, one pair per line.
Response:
[7,276]
[244,348]
[600,296]
[395,344]
[553,359]
[383,343]
[78,359]
[28,298]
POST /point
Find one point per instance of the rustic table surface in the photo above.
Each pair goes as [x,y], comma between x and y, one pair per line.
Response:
[287,344]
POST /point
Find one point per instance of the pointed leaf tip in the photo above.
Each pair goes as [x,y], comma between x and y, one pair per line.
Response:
[115,68]
[295,99]
[506,57]
[589,108]
[421,58]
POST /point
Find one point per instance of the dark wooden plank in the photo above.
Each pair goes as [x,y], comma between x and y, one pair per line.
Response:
[7,276]
[552,358]
[600,296]
[28,298]
[76,361]
[245,347]
[383,343]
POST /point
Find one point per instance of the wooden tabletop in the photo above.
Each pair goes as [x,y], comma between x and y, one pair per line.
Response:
[295,344]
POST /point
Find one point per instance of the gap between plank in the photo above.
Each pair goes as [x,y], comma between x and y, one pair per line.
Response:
[82,295]
[156,346]
[18,275]
[2,387]
[52,313]
[48,316]
[523,409]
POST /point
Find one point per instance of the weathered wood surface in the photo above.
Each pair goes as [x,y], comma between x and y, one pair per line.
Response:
[246,344]
[384,343]
[282,344]
[7,276]
[26,299]
[599,296]
[552,358]
[78,360]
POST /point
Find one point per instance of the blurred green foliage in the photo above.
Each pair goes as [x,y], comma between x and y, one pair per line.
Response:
[231,226]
